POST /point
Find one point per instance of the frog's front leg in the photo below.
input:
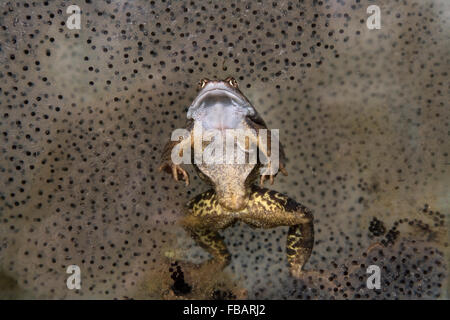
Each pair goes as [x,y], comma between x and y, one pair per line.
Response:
[205,217]
[167,164]
[268,209]
[266,149]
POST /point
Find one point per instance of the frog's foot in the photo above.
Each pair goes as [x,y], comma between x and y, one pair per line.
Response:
[264,178]
[175,170]
[297,272]
[271,177]
[313,277]
[214,263]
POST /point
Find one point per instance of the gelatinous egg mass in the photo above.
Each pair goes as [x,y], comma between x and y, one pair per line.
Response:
[363,116]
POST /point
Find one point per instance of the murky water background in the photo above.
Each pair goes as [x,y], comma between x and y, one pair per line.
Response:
[363,115]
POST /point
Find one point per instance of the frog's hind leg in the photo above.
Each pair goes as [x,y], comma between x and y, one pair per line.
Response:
[299,245]
[205,217]
[213,243]
[268,209]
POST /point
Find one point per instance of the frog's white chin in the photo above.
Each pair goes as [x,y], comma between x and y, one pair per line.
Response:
[238,103]
[222,117]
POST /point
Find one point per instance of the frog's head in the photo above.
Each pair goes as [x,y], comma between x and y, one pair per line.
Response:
[220,104]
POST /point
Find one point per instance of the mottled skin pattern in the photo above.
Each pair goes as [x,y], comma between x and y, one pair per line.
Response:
[235,196]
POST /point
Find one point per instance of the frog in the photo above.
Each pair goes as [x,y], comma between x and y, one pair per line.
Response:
[235,194]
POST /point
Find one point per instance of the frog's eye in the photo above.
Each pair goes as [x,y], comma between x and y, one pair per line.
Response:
[232,82]
[202,83]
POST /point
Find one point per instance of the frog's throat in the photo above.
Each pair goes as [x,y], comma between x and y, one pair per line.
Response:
[244,104]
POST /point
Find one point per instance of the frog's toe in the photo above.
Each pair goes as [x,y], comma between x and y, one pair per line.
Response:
[296,272]
[175,170]
[299,273]
[312,276]
[185,176]
[264,178]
